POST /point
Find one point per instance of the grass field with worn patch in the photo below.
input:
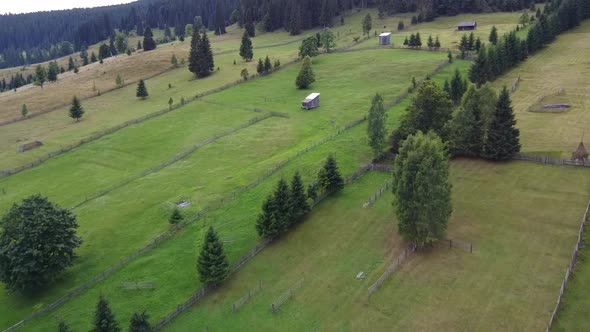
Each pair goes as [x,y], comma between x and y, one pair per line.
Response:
[561,65]
[508,215]
[206,175]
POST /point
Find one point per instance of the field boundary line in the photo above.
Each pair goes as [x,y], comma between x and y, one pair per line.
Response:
[570,267]
[392,267]
[549,160]
[178,157]
[204,290]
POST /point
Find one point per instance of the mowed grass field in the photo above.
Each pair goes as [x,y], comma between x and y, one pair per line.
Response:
[521,228]
[122,221]
[562,65]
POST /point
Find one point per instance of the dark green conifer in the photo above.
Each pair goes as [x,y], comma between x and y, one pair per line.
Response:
[503,138]
[140,323]
[246,51]
[104,319]
[141,90]
[76,110]
[329,178]
[299,205]
[212,263]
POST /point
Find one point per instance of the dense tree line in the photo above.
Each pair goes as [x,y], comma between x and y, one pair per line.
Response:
[37,37]
[428,10]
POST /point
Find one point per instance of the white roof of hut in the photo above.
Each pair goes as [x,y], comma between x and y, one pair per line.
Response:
[385,34]
[312,96]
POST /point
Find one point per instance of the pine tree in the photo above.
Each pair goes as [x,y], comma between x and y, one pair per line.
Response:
[220,17]
[76,110]
[104,319]
[93,58]
[467,127]
[174,60]
[306,76]
[478,44]
[457,87]
[503,138]
[63,327]
[119,81]
[24,110]
[170,103]
[406,41]
[430,42]
[260,67]
[175,217]
[84,56]
[212,264]
[437,43]
[418,40]
[282,205]
[267,65]
[464,46]
[480,71]
[400,26]
[450,56]
[148,40]
[299,205]
[52,71]
[471,42]
[447,87]
[139,47]
[493,36]
[246,51]
[421,189]
[205,57]
[142,91]
[193,60]
[367,24]
[266,222]
[71,64]
[140,323]
[250,29]
[329,178]
[376,128]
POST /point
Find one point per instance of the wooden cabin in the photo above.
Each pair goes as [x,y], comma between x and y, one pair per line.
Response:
[312,101]
[385,38]
[465,26]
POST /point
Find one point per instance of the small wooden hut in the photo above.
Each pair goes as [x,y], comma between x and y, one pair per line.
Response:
[385,38]
[312,101]
[581,154]
[465,26]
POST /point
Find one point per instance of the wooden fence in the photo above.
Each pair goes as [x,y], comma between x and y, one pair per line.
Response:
[391,268]
[549,160]
[570,267]
[251,292]
[278,302]
[377,194]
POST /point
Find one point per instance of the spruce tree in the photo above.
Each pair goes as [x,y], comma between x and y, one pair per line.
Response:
[148,40]
[93,58]
[282,205]
[493,36]
[471,42]
[63,327]
[400,26]
[267,65]
[503,138]
[437,43]
[467,127]
[142,91]
[246,51]
[205,57]
[329,178]
[299,205]
[71,64]
[76,110]
[376,128]
[480,71]
[104,319]
[140,323]
[457,87]
[418,40]
[406,41]
[84,56]
[260,67]
[212,264]
[421,189]
[447,87]
[193,59]
[266,222]
[24,110]
[306,76]
[52,71]
[174,60]
[367,24]
[175,217]
[430,42]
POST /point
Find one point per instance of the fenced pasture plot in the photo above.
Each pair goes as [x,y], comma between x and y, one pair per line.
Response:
[562,65]
[513,274]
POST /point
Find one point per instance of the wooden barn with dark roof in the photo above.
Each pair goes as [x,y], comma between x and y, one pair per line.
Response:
[463,26]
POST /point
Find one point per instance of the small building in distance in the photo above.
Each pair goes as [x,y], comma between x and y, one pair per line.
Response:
[463,26]
[312,101]
[385,38]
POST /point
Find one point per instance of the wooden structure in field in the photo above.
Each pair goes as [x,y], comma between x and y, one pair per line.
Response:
[464,26]
[385,38]
[29,146]
[312,101]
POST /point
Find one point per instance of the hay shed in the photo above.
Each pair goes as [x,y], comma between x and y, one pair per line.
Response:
[581,154]
[385,38]
[466,26]
[312,101]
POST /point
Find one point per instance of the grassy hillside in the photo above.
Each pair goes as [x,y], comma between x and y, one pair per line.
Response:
[503,210]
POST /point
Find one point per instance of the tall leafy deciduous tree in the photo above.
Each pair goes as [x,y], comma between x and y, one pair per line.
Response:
[309,47]
[367,25]
[104,319]
[299,205]
[306,76]
[76,110]
[52,71]
[327,39]
[503,138]
[140,323]
[376,129]
[421,189]
[188,30]
[246,51]
[212,263]
[142,91]
[431,109]
[148,40]
[329,178]
[37,242]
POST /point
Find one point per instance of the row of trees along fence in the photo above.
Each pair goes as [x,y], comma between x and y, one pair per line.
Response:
[570,267]
[392,268]
[279,301]
[174,159]
[236,266]
[549,160]
[251,292]
[184,101]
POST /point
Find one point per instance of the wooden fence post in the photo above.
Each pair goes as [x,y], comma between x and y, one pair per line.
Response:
[450,243]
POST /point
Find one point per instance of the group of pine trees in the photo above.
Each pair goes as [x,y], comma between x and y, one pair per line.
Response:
[16,81]
[201,61]
[415,41]
[266,66]
[289,203]
[470,44]
[509,50]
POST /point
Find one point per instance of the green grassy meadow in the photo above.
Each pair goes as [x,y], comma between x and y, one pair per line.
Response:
[501,208]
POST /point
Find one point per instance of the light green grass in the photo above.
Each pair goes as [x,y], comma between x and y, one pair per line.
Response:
[206,175]
[508,214]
